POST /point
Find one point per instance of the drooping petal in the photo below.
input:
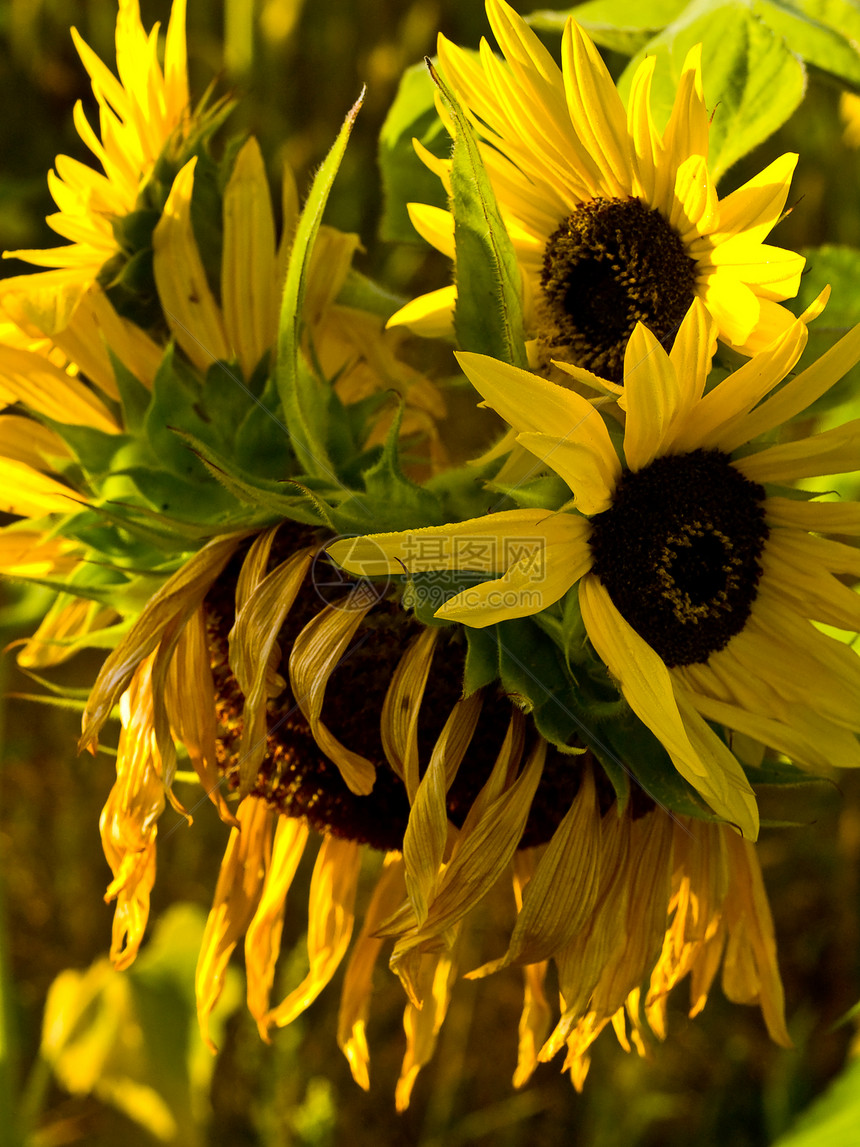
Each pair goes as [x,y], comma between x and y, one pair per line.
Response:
[253,648]
[750,970]
[237,894]
[315,653]
[190,701]
[171,605]
[402,707]
[428,830]
[263,935]
[331,915]
[560,897]
[358,978]
[422,1024]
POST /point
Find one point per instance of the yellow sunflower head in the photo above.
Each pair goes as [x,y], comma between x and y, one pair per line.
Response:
[614,221]
[699,577]
[140,112]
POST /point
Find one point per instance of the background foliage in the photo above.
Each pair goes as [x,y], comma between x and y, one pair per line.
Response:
[132,1068]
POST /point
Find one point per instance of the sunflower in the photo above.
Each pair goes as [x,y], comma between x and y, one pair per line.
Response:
[436,797]
[699,588]
[612,221]
[349,345]
[141,113]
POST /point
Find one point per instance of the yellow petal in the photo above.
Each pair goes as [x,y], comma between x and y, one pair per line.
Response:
[531,403]
[254,648]
[31,494]
[237,894]
[596,110]
[651,399]
[358,978]
[29,378]
[719,420]
[248,288]
[822,517]
[263,937]
[171,605]
[694,205]
[480,544]
[734,306]
[428,828]
[806,387]
[402,707]
[33,553]
[646,145]
[190,700]
[331,915]
[550,565]
[691,355]
[833,451]
[27,441]
[430,315]
[647,685]
[188,303]
[316,651]
[422,1025]
[756,207]
[582,460]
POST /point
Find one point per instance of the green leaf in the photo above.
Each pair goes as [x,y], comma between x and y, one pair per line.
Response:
[405,179]
[134,396]
[821,38]
[172,495]
[303,397]
[482,659]
[832,1120]
[616,24]
[784,775]
[363,294]
[547,492]
[400,503]
[95,450]
[751,79]
[488,317]
[534,673]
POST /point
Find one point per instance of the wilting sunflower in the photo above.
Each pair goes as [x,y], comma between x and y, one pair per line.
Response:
[142,112]
[613,222]
[349,345]
[699,588]
[239,659]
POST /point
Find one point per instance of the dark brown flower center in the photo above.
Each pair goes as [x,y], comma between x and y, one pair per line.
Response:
[678,552]
[611,264]
[300,781]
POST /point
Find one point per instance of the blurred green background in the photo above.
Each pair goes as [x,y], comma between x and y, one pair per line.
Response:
[297,68]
